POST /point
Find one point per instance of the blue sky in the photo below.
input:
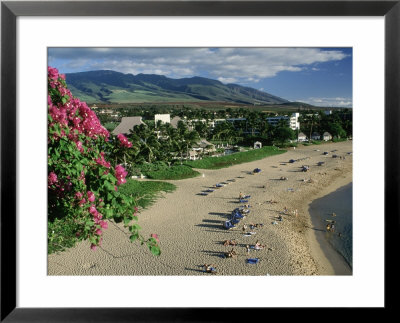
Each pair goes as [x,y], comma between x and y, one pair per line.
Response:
[319,76]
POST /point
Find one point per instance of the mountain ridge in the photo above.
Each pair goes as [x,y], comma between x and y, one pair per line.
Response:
[107,86]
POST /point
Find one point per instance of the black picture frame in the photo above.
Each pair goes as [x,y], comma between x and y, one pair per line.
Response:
[10,10]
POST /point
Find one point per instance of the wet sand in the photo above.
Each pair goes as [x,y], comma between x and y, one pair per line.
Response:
[190,226]
[337,245]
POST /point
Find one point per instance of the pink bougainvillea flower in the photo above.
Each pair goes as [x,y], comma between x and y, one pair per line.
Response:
[120,174]
[79,146]
[93,247]
[91,196]
[78,195]
[102,161]
[52,179]
[82,202]
[92,210]
[104,224]
[99,232]
[155,236]
[52,73]
[123,141]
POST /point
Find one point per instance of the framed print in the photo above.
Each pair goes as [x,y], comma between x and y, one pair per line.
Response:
[352,47]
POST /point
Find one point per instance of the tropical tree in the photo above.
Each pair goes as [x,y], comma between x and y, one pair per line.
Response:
[309,121]
[283,134]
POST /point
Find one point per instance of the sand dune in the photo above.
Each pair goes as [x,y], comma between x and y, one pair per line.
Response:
[190,225]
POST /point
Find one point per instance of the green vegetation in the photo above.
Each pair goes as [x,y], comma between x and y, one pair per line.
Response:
[163,171]
[172,173]
[110,86]
[316,142]
[110,126]
[146,192]
[338,139]
[62,234]
[235,158]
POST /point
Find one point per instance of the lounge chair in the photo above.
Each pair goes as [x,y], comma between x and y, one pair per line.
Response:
[244,207]
[228,224]
[237,215]
[234,220]
[247,196]
[243,201]
[253,260]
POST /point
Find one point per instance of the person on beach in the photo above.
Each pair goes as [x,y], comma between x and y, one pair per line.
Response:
[244,227]
[247,248]
[210,269]
[285,210]
[230,243]
[328,227]
[241,196]
[258,246]
[231,254]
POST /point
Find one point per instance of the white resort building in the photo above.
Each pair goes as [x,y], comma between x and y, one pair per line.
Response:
[164,118]
[293,120]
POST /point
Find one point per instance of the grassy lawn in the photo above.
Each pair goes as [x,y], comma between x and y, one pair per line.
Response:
[173,172]
[146,192]
[235,158]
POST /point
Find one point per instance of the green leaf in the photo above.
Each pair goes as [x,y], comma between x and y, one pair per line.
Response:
[155,250]
[133,237]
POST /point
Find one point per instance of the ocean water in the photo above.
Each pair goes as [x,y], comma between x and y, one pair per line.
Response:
[340,203]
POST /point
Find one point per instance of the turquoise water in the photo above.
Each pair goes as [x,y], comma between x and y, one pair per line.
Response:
[339,202]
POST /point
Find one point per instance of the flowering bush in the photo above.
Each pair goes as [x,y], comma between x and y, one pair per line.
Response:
[82,185]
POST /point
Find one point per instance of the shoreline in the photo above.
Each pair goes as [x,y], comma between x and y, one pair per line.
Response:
[329,260]
[190,225]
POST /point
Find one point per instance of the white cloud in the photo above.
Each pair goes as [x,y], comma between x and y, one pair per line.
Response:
[329,102]
[227,80]
[238,64]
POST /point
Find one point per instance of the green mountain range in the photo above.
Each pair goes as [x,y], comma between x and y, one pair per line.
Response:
[106,86]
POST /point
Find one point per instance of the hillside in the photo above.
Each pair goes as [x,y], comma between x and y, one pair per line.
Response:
[114,87]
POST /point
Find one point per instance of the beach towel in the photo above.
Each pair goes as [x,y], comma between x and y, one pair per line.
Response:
[243,201]
[247,196]
[253,260]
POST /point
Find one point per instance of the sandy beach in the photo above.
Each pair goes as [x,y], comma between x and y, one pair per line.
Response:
[190,226]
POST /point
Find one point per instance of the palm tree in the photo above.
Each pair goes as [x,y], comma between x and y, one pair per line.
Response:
[309,120]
